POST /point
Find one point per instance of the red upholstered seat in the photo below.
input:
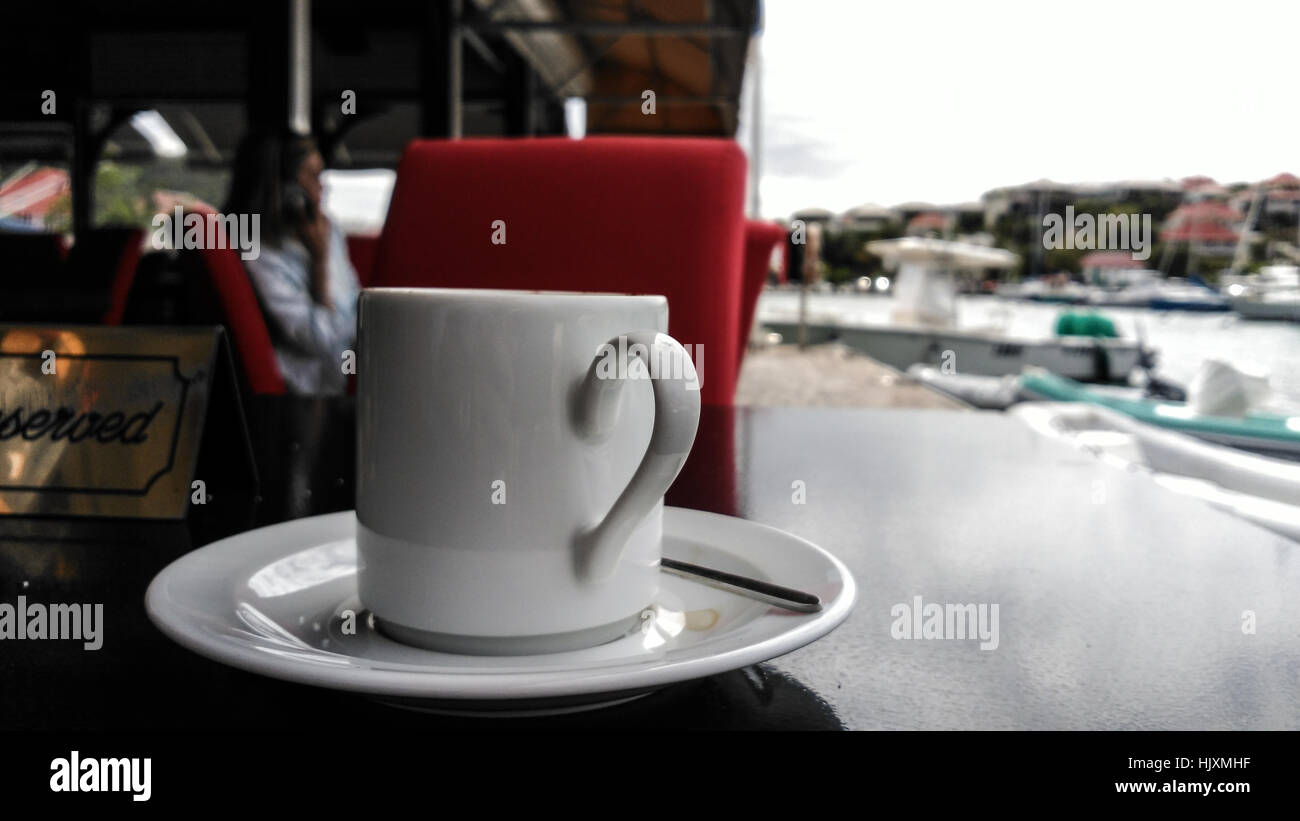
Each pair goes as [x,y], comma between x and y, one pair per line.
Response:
[613,214]
[242,316]
[243,320]
[361,252]
[128,258]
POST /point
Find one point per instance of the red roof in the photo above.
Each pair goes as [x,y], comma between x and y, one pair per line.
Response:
[1204,210]
[1194,183]
[1198,230]
[928,221]
[32,195]
[1283,180]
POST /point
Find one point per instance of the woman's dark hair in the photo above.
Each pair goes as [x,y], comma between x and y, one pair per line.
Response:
[265,162]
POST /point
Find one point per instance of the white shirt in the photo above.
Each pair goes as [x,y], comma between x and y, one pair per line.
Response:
[309,339]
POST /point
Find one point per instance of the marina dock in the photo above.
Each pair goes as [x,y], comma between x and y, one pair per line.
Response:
[830,375]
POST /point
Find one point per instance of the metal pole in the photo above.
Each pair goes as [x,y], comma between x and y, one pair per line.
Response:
[440,71]
[1241,254]
[455,69]
[755,125]
[803,311]
[1038,246]
[602,28]
[812,252]
[300,66]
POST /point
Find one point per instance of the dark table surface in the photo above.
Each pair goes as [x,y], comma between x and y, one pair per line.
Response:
[1121,604]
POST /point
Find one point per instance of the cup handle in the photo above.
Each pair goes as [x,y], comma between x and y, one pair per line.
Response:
[677,416]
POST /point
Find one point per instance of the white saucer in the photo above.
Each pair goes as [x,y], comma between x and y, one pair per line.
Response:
[272,601]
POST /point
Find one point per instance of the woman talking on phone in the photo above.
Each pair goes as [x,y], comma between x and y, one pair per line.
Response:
[303,277]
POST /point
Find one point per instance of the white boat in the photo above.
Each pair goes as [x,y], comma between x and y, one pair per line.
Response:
[1270,278]
[1136,296]
[1279,305]
[1045,289]
[1172,294]
[989,353]
[1178,294]
[924,327]
[1273,293]
[984,392]
[1258,488]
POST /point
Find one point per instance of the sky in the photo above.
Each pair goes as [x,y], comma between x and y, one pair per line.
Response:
[889,101]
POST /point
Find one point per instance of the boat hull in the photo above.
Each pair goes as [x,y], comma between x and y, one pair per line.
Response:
[1083,359]
[1260,489]
[1287,311]
[1264,434]
[1196,306]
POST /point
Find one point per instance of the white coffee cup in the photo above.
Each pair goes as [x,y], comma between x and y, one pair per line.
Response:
[513,450]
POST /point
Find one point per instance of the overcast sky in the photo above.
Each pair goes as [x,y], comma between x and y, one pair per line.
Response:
[870,101]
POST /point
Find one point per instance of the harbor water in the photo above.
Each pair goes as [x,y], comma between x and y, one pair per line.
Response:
[1183,340]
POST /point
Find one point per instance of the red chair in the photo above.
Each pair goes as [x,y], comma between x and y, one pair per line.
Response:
[361,251]
[128,257]
[243,320]
[242,315]
[611,214]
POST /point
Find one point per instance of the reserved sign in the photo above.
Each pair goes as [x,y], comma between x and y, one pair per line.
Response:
[66,423]
[102,421]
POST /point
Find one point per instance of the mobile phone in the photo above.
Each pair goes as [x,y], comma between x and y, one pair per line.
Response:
[298,208]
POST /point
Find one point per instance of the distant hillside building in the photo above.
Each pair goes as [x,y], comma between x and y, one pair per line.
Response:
[1282,199]
[1283,180]
[929,224]
[1030,199]
[1209,227]
[868,217]
[811,215]
[907,210]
